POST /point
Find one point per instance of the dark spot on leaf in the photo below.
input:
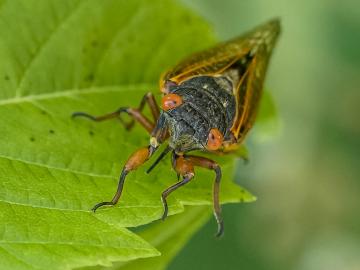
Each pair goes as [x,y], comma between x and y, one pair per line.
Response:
[51,131]
[43,112]
[187,18]
[7,78]
[90,77]
[94,43]
[131,39]
[91,133]
[242,191]
[84,50]
[32,139]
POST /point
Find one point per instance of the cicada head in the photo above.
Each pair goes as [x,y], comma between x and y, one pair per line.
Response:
[183,137]
[198,114]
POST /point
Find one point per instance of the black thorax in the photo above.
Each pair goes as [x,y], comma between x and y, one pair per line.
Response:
[208,103]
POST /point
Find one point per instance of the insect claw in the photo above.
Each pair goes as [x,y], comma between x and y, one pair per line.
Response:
[220,231]
[100,205]
[86,115]
[164,216]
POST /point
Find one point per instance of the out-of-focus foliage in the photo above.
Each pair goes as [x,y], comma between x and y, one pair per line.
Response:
[307,180]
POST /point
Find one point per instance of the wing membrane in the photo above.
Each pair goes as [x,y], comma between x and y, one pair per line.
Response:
[217,59]
[212,61]
[249,89]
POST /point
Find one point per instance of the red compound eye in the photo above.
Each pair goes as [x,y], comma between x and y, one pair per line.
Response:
[215,139]
[170,101]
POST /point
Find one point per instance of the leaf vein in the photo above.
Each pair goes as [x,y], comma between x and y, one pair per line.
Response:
[70,93]
[75,210]
[18,259]
[68,243]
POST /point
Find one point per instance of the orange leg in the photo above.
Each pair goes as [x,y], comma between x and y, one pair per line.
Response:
[143,154]
[184,166]
[136,159]
[136,114]
[212,165]
[149,99]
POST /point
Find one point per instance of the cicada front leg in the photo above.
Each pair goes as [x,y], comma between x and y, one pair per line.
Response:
[135,160]
[157,129]
[135,113]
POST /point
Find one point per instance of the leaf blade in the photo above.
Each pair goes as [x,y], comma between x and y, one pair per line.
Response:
[62,56]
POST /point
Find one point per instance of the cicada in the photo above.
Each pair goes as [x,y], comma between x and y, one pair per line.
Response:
[209,103]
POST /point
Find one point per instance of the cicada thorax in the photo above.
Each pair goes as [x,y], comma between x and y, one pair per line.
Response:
[205,115]
[243,61]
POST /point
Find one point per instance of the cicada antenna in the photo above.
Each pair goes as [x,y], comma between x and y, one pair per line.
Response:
[160,157]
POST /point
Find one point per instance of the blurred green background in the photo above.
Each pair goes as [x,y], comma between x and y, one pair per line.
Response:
[307,179]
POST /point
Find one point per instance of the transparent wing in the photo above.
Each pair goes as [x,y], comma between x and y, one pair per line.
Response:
[249,88]
[218,59]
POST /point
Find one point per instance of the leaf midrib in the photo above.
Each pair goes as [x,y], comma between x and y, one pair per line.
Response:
[71,244]
[74,210]
[77,91]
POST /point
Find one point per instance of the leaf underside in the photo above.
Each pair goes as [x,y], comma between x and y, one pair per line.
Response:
[58,57]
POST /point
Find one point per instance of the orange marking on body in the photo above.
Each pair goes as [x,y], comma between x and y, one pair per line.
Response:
[215,139]
[171,101]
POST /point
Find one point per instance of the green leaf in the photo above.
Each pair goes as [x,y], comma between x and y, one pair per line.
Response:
[168,237]
[58,57]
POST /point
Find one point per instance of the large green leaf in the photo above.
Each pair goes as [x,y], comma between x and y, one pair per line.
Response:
[62,56]
[168,237]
